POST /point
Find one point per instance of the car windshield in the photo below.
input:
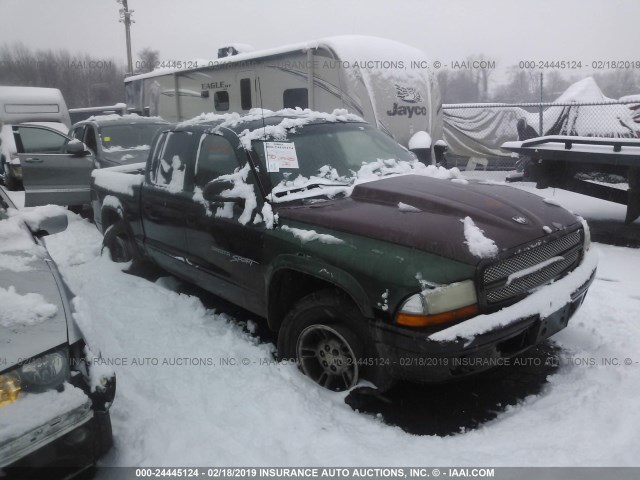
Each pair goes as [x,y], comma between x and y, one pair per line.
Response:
[130,136]
[323,159]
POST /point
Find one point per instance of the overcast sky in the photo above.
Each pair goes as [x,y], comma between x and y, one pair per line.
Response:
[508,31]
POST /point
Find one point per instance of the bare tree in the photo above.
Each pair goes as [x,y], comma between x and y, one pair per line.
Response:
[83,80]
[147,60]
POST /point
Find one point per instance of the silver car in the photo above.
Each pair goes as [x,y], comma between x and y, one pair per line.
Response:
[55,393]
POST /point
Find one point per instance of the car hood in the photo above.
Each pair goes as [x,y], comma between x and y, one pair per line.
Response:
[126,157]
[508,216]
[19,341]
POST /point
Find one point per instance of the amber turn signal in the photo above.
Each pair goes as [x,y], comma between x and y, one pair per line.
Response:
[417,320]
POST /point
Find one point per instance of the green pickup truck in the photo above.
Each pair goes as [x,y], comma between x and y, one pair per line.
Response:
[368,263]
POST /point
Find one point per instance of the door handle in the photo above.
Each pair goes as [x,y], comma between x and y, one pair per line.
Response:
[150,211]
[192,220]
[33,160]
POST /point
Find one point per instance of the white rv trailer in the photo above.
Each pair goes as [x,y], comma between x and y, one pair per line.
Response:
[32,104]
[387,83]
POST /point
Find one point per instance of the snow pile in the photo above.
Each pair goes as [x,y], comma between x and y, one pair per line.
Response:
[241,189]
[99,371]
[310,235]
[479,245]
[129,117]
[17,247]
[267,216]
[420,139]
[535,268]
[176,183]
[118,148]
[37,409]
[278,132]
[331,184]
[116,180]
[34,216]
[404,207]
[28,309]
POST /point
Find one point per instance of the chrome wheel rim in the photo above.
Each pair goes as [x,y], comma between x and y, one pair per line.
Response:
[326,357]
[120,250]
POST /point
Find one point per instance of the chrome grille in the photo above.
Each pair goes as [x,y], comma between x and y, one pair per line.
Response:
[495,276]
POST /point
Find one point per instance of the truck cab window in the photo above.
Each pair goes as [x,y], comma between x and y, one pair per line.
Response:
[78,132]
[39,140]
[221,101]
[295,97]
[217,157]
[90,139]
[169,165]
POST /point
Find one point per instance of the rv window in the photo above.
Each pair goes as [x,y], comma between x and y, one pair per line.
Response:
[295,97]
[221,101]
[40,140]
[245,94]
[216,158]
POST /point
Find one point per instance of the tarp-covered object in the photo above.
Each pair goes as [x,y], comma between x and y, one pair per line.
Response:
[478,131]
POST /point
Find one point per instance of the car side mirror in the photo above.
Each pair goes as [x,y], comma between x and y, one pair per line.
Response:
[213,191]
[50,225]
[77,148]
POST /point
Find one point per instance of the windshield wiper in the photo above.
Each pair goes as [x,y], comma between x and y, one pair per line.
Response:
[282,193]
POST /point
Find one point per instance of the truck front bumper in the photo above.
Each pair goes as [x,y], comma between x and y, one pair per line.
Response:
[410,354]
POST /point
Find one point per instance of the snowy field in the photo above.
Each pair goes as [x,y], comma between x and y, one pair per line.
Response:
[176,405]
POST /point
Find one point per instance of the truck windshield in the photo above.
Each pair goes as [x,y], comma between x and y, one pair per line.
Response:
[130,136]
[330,154]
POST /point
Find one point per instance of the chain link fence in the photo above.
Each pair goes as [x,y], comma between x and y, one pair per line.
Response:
[475,132]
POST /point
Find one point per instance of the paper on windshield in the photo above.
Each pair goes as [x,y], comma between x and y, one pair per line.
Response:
[280,155]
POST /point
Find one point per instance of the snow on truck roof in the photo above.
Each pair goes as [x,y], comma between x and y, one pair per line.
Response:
[123,119]
[372,52]
[271,124]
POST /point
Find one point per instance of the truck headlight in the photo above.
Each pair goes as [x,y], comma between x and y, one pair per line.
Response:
[36,375]
[439,305]
[9,388]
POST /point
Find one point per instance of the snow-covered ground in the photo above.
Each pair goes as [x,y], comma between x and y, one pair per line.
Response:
[177,404]
[189,410]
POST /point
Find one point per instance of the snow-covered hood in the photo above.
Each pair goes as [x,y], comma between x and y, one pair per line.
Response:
[428,214]
[36,321]
[126,156]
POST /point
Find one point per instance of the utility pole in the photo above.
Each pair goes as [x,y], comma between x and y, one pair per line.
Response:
[125,17]
[540,120]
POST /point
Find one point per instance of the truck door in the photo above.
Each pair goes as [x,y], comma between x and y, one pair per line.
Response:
[224,244]
[50,175]
[164,200]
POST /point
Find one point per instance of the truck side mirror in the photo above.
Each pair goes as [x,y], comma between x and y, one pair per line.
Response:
[50,225]
[214,189]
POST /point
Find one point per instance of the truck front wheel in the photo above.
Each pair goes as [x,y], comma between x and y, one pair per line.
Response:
[119,243]
[325,335]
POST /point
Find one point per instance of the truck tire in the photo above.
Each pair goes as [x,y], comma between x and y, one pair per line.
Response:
[327,337]
[10,181]
[118,241]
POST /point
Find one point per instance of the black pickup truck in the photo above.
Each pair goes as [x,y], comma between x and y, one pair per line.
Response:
[368,263]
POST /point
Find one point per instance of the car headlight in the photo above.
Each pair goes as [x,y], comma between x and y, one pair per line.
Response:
[36,375]
[439,305]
